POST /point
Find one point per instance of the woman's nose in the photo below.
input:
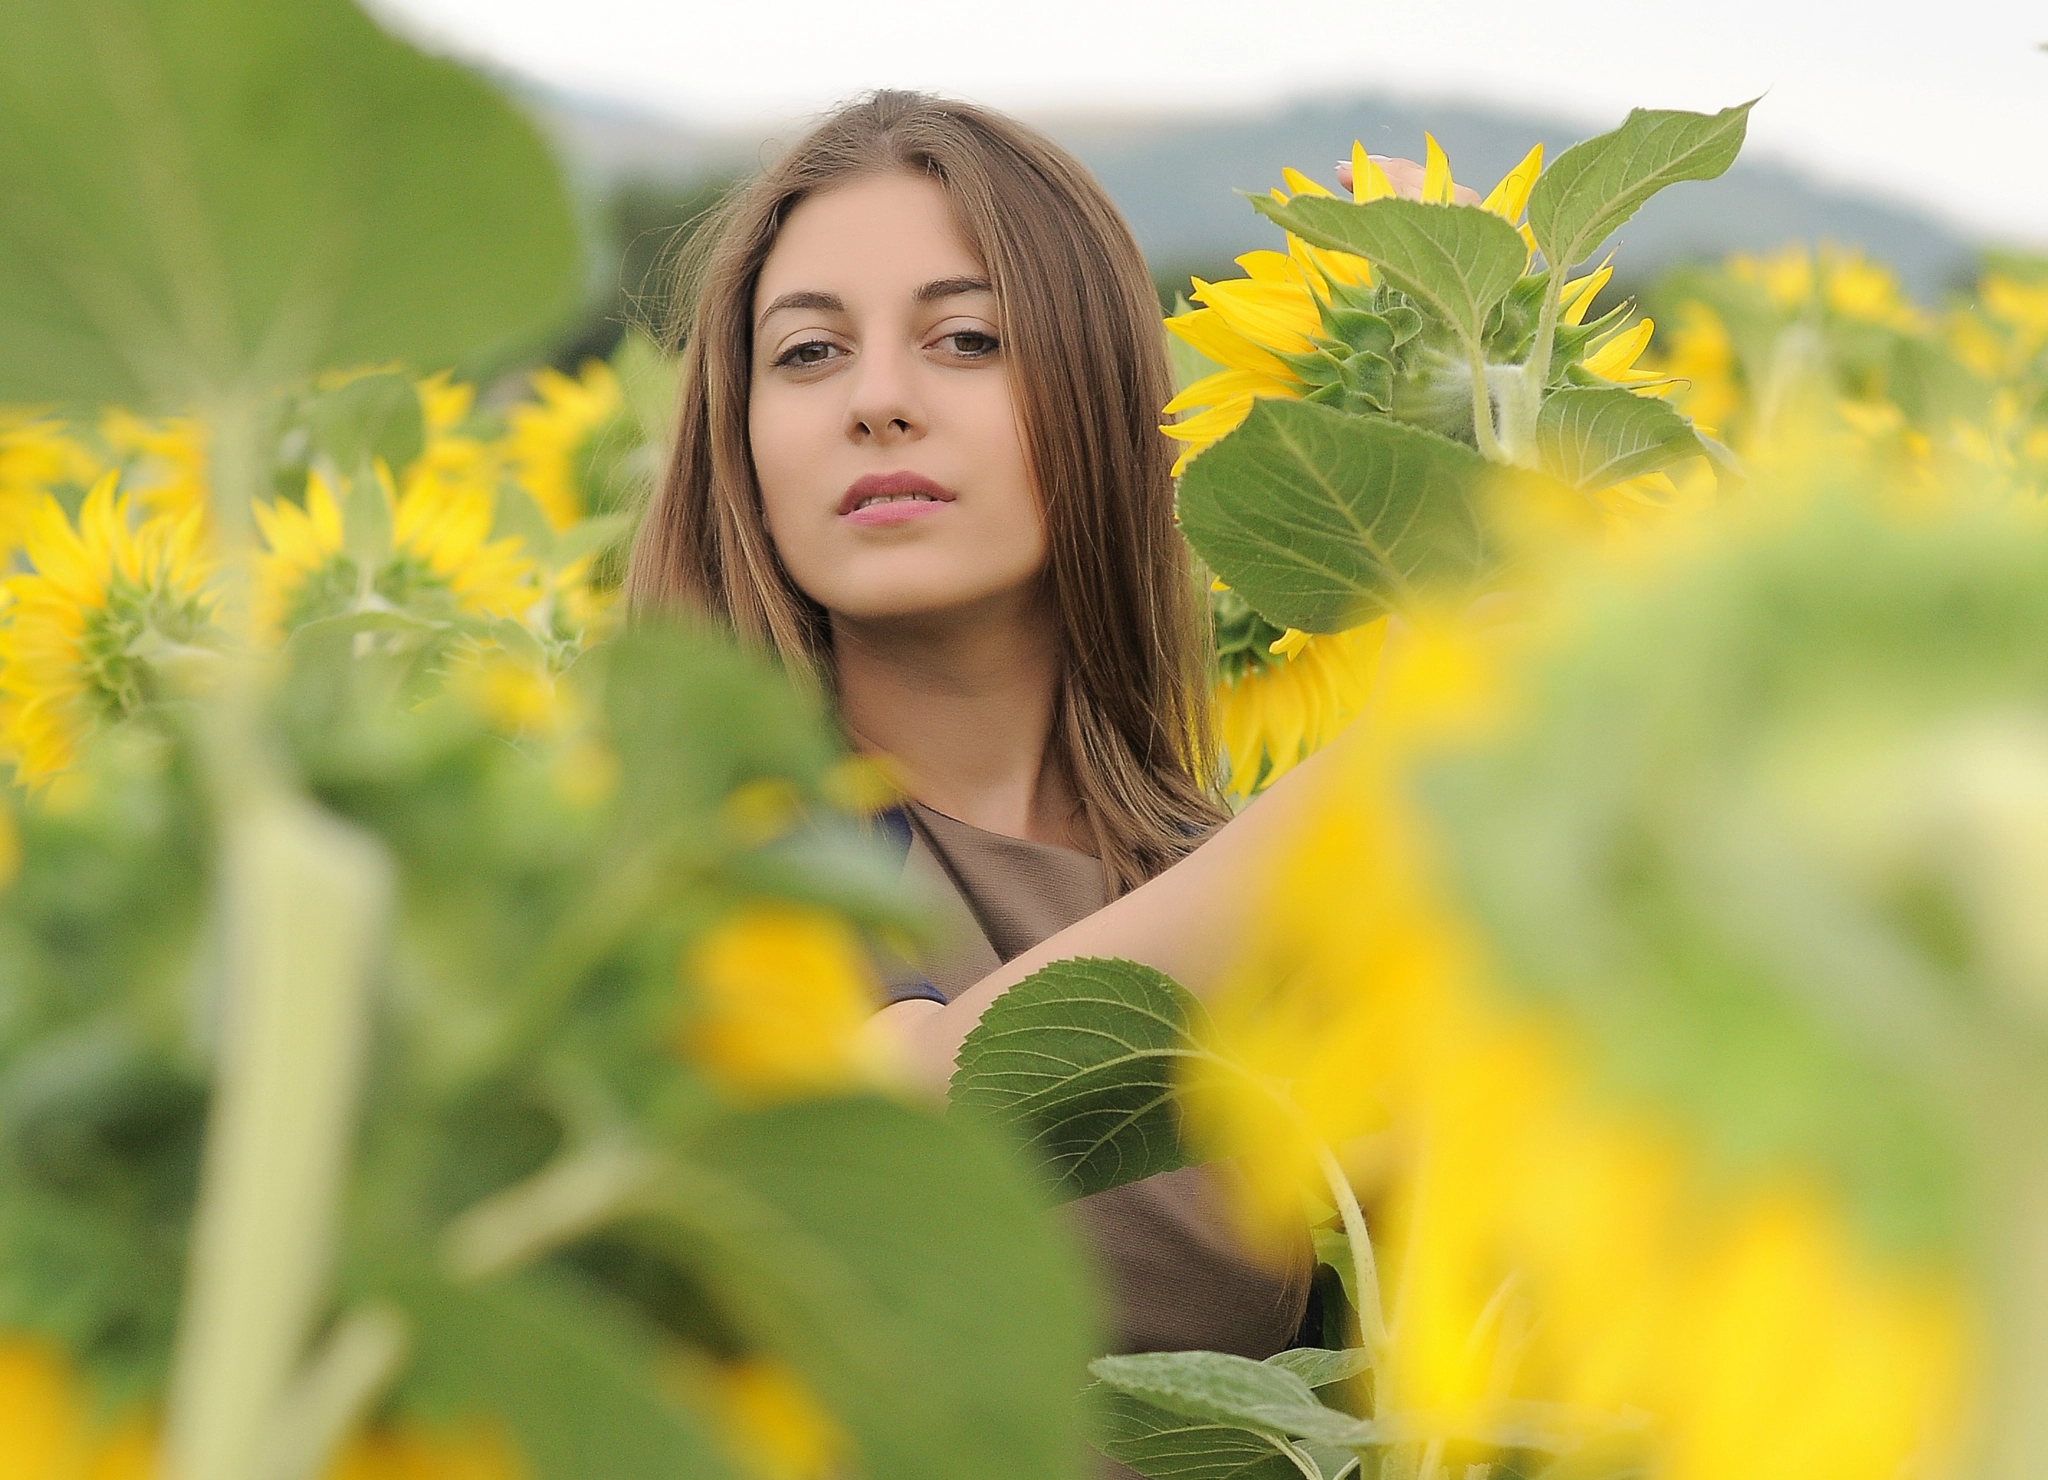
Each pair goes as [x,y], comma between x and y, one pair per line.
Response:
[884,406]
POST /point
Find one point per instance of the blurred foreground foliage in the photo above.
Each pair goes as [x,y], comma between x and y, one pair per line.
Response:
[427,1017]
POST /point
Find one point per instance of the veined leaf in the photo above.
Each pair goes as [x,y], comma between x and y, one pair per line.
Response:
[1319,1367]
[1595,186]
[1460,260]
[1170,1446]
[1322,521]
[205,195]
[1219,1388]
[1079,1060]
[1597,438]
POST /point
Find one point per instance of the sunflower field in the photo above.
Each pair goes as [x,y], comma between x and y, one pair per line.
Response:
[430,1009]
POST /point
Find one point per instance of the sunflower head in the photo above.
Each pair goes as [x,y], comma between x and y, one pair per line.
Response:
[114,615]
[427,553]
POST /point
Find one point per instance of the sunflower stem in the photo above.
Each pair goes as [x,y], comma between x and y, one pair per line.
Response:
[1536,369]
[303,897]
[1364,1270]
[1482,408]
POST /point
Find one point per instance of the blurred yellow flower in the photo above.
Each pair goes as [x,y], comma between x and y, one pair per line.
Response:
[163,462]
[774,1425]
[37,455]
[451,460]
[1538,1243]
[1829,279]
[441,558]
[545,438]
[1274,715]
[778,994]
[110,614]
[470,1451]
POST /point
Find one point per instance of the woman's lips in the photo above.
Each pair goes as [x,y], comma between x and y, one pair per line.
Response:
[891,498]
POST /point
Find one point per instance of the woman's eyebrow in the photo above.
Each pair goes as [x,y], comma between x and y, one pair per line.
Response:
[803,298]
[949,288]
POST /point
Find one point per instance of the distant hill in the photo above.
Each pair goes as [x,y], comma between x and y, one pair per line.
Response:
[1176,179]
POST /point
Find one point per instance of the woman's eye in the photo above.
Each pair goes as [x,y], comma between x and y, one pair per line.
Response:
[971,344]
[810,352]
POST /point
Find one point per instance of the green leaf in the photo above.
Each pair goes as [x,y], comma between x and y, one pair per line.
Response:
[1460,260]
[200,196]
[882,1253]
[1323,521]
[371,418]
[1168,1446]
[1595,186]
[1220,1388]
[1319,1367]
[1079,1061]
[574,1376]
[1596,438]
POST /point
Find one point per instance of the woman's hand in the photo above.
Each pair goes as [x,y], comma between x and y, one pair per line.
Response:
[1405,175]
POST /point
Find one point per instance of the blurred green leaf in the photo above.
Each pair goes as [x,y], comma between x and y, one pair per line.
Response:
[1079,1062]
[200,196]
[1733,839]
[1323,521]
[1593,439]
[880,1251]
[1460,260]
[1592,188]
[372,418]
[573,1376]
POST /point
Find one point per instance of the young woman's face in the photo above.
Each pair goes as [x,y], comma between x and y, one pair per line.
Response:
[884,429]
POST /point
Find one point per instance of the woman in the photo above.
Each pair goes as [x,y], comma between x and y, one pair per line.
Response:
[918,458]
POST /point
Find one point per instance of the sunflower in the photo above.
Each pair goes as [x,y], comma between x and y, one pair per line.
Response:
[100,628]
[1282,695]
[546,437]
[441,561]
[37,456]
[163,462]
[1288,328]
[451,458]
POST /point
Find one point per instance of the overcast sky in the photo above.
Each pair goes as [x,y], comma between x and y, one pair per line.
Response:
[1944,105]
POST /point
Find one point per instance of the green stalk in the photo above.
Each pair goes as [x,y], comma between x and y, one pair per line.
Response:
[1536,369]
[1482,407]
[1364,1270]
[2018,1368]
[302,899]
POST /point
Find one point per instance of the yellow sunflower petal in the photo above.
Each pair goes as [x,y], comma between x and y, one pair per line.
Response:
[1579,294]
[1276,316]
[1508,199]
[1368,180]
[1437,186]
[1301,184]
[1228,385]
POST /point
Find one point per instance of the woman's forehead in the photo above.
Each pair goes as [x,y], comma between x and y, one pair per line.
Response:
[878,237]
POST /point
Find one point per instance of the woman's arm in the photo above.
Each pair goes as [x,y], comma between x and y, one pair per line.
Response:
[1188,922]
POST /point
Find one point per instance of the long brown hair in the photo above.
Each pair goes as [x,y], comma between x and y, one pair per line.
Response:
[1088,365]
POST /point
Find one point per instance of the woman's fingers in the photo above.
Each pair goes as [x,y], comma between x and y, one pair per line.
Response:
[1405,175]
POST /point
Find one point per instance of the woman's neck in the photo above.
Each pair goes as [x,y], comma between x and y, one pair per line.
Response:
[963,704]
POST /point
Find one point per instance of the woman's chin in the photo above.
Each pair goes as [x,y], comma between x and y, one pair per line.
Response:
[945,598]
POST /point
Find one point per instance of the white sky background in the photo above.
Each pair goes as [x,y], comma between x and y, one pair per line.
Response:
[1943,105]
